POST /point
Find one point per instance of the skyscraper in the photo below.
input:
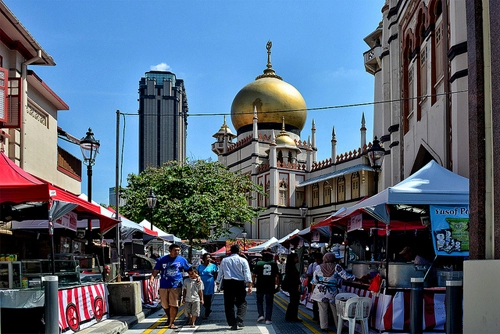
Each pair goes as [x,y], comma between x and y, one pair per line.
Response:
[163,111]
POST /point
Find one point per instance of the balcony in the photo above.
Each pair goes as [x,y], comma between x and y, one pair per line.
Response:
[68,164]
[373,62]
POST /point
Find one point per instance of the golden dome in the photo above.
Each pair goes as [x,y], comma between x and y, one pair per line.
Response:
[273,98]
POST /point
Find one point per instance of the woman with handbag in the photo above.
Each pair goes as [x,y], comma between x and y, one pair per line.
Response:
[292,284]
[325,283]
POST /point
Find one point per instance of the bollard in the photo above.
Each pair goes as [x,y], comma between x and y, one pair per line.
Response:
[454,311]
[51,316]
[417,304]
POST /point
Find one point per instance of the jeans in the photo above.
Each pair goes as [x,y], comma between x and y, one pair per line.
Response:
[234,295]
[269,297]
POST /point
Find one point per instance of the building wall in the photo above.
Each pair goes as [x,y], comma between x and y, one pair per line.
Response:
[429,104]
[34,144]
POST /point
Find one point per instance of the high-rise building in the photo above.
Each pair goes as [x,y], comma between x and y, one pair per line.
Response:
[163,111]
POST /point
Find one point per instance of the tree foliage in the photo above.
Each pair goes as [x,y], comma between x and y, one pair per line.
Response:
[196,200]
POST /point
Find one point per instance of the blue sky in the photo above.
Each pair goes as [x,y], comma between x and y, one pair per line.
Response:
[103,47]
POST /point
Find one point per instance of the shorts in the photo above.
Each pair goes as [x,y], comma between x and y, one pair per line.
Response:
[192,308]
[170,297]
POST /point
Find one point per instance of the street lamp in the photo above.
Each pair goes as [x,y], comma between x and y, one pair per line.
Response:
[376,156]
[151,204]
[90,147]
[303,213]
[244,235]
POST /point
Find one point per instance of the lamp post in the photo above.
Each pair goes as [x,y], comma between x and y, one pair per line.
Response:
[244,235]
[376,156]
[151,205]
[303,213]
[89,147]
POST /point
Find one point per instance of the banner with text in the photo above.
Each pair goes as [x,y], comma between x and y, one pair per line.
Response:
[450,230]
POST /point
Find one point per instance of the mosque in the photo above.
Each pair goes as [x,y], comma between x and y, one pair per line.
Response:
[268,116]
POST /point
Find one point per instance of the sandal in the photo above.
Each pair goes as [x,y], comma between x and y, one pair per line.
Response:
[173,327]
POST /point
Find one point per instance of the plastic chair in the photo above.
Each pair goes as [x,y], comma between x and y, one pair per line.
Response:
[356,309]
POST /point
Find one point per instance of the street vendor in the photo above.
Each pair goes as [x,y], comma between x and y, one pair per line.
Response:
[409,256]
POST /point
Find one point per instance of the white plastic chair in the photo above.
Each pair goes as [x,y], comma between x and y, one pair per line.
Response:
[356,309]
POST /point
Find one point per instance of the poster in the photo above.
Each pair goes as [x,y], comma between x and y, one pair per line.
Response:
[355,223]
[450,229]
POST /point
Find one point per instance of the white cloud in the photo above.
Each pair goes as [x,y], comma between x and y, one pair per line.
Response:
[161,67]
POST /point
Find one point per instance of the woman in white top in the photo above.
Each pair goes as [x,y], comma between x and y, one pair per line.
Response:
[326,282]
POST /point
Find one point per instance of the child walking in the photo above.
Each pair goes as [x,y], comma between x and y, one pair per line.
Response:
[192,296]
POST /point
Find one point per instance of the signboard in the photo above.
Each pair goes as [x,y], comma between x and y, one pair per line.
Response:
[69,221]
[355,223]
[450,230]
[315,236]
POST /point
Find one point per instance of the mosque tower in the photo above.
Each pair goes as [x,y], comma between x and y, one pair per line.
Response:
[268,115]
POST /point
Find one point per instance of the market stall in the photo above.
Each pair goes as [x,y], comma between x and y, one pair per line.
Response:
[427,212]
[31,254]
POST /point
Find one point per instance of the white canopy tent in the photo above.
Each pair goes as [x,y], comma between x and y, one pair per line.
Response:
[431,185]
[268,244]
[161,234]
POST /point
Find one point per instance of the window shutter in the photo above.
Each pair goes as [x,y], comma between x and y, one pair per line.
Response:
[14,102]
[4,82]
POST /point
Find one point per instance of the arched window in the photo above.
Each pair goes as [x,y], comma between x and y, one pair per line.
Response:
[341,189]
[437,61]
[283,200]
[290,157]
[315,194]
[260,201]
[280,156]
[268,192]
[327,193]
[355,185]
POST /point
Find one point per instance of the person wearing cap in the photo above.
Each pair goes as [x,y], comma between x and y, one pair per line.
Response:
[266,279]
[234,272]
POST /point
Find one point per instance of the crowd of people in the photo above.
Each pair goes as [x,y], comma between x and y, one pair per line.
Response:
[238,279]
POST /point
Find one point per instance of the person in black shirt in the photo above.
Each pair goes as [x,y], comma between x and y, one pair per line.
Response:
[292,283]
[266,279]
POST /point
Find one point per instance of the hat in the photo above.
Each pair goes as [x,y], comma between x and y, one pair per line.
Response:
[405,250]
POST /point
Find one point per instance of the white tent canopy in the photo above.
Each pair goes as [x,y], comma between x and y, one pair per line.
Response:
[431,185]
[268,244]
[286,237]
[161,234]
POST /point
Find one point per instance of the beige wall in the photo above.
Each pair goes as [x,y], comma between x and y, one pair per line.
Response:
[481,296]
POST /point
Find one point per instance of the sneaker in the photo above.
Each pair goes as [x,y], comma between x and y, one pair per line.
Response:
[260,319]
[268,322]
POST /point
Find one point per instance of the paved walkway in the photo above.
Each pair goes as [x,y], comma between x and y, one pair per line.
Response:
[156,322]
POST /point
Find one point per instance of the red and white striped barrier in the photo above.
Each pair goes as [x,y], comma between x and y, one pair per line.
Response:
[392,312]
[82,306]
[149,292]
